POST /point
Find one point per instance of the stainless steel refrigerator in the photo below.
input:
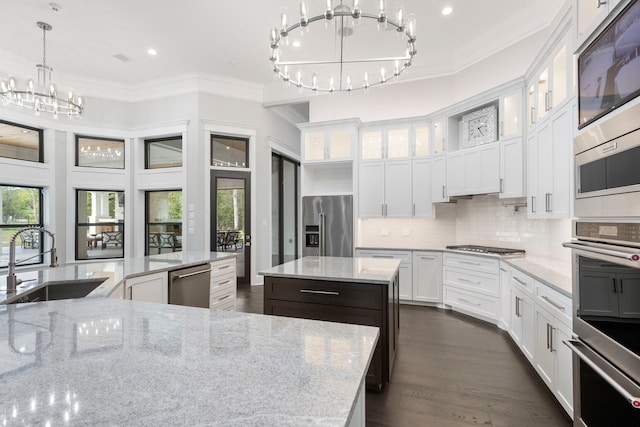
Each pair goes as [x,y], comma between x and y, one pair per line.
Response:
[327,224]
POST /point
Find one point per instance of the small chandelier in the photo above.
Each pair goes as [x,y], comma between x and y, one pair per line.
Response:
[345,69]
[43,96]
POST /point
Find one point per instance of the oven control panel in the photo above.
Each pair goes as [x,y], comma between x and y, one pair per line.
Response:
[621,232]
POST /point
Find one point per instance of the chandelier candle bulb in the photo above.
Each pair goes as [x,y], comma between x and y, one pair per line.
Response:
[304,21]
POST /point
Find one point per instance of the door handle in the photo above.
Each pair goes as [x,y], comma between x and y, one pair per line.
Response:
[247,240]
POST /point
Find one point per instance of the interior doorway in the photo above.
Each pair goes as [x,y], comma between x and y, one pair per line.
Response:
[231,218]
[285,176]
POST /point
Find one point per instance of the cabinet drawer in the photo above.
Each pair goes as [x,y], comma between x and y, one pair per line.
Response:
[223,267]
[482,305]
[229,289]
[556,303]
[523,281]
[470,262]
[226,302]
[325,292]
[404,257]
[473,281]
[222,280]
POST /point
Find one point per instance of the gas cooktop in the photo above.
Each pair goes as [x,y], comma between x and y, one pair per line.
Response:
[487,250]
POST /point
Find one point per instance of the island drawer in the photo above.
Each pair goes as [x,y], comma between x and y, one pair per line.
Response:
[367,296]
[224,280]
[223,267]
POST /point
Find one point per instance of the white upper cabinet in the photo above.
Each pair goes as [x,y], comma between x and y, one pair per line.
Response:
[385,189]
[329,141]
[474,170]
[439,179]
[511,168]
[386,142]
[553,84]
[510,111]
[422,141]
[549,166]
[590,14]
[421,188]
[439,135]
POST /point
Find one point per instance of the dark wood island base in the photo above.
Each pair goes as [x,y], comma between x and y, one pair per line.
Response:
[371,304]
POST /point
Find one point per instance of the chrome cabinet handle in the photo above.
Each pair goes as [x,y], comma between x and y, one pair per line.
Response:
[549,100]
[311,291]
[470,263]
[520,281]
[462,279]
[551,329]
[533,205]
[548,336]
[469,302]
[427,257]
[382,256]
[596,250]
[501,127]
[443,191]
[501,185]
[547,202]
[600,3]
[533,120]
[553,303]
[517,307]
[595,361]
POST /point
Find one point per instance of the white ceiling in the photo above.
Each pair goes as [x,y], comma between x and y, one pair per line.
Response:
[230,39]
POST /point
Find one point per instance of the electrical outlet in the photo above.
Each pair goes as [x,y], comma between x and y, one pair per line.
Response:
[384,232]
[405,232]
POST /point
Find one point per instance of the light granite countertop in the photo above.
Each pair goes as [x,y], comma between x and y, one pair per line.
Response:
[112,271]
[357,270]
[116,362]
[554,273]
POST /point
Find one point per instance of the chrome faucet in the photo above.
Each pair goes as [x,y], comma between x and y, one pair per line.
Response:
[12,280]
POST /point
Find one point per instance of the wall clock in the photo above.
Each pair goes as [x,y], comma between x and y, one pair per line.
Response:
[478,127]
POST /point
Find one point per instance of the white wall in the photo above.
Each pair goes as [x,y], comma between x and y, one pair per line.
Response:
[410,98]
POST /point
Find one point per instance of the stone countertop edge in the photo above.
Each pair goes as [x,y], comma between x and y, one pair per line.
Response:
[337,269]
[534,266]
[243,369]
[114,271]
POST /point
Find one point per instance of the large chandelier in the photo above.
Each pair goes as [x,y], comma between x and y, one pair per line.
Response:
[337,59]
[41,97]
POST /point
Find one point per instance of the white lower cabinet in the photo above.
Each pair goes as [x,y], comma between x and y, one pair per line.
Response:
[472,284]
[223,290]
[522,325]
[427,277]
[150,288]
[505,296]
[553,359]
[405,272]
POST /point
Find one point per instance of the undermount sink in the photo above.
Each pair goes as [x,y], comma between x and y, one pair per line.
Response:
[56,290]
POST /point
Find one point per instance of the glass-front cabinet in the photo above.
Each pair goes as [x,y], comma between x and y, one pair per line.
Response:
[332,141]
[510,111]
[553,84]
[392,141]
[422,141]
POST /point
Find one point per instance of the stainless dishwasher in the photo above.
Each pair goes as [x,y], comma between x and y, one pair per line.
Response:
[190,286]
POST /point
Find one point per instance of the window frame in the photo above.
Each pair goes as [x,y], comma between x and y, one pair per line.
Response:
[39,259]
[119,225]
[149,141]
[98,138]
[235,138]
[163,223]
[40,142]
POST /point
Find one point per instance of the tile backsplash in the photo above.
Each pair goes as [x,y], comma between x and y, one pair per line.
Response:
[482,220]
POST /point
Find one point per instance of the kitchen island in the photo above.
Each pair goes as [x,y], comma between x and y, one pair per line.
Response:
[361,291]
[112,273]
[104,361]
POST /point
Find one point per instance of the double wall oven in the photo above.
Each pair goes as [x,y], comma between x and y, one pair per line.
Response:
[606,274]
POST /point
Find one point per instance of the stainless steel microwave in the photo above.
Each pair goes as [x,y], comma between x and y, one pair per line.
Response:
[607,168]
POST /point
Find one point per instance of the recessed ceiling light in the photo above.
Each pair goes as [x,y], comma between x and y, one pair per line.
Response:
[234,62]
[151,51]
[296,43]
[447,10]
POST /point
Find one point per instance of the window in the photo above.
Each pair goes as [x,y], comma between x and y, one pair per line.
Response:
[164,221]
[229,152]
[163,153]
[20,207]
[21,142]
[99,224]
[99,152]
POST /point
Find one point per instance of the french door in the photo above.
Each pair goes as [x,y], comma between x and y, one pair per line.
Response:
[231,218]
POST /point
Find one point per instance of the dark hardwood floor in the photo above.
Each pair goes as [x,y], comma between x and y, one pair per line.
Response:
[452,370]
